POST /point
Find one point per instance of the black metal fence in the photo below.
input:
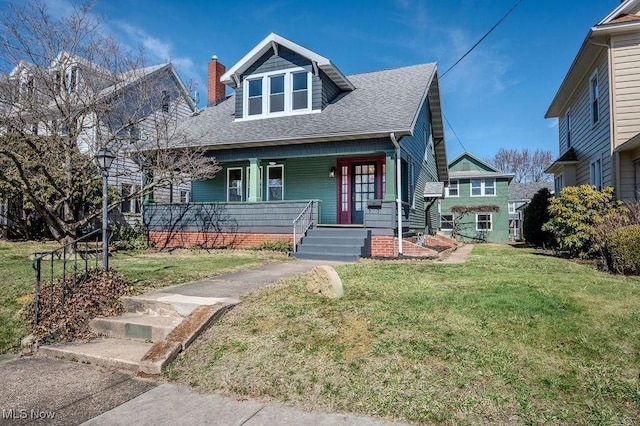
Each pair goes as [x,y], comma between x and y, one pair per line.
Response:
[65,263]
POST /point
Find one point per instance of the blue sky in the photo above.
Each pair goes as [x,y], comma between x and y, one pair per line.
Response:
[496,97]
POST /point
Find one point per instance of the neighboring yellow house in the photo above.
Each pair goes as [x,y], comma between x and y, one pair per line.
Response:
[598,107]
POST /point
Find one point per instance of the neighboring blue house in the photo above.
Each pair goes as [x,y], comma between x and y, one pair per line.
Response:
[299,141]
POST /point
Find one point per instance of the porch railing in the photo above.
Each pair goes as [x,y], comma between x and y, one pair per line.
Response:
[82,254]
[302,223]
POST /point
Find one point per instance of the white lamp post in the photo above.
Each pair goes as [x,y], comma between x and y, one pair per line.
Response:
[103,160]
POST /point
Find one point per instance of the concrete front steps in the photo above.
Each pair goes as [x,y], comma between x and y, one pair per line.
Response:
[335,243]
[149,335]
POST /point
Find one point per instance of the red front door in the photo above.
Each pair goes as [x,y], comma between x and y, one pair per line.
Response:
[359,180]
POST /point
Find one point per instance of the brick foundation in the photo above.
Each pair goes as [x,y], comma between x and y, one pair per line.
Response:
[383,246]
[212,240]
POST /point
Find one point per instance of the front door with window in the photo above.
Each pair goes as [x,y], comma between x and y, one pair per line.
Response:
[363,188]
[359,180]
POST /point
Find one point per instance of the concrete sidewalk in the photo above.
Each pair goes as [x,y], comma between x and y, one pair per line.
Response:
[171,404]
[459,255]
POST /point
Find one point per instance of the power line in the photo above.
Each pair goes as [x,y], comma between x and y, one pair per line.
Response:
[454,132]
[467,53]
[483,37]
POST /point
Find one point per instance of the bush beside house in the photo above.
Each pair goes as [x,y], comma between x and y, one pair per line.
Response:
[536,214]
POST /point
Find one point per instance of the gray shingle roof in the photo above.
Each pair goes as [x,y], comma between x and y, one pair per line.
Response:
[526,191]
[383,102]
[434,190]
[480,174]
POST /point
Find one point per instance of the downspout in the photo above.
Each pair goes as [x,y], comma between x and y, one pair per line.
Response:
[398,191]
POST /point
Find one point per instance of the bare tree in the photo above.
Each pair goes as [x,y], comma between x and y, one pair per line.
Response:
[67,90]
[527,165]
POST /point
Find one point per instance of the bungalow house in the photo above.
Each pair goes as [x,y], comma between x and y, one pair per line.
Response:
[475,207]
[520,194]
[597,108]
[116,109]
[308,150]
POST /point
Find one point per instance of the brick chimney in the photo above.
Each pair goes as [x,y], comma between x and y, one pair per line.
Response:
[215,89]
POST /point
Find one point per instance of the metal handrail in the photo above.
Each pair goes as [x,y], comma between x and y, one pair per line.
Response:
[302,223]
[61,253]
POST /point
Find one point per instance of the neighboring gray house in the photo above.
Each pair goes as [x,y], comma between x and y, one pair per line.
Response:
[520,194]
[597,107]
[299,141]
[142,94]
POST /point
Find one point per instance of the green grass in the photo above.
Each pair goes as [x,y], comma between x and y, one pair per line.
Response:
[510,337]
[145,270]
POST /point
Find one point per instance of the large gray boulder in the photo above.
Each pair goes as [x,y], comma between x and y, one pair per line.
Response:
[324,280]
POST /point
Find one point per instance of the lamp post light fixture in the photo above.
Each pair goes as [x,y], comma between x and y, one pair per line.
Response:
[103,160]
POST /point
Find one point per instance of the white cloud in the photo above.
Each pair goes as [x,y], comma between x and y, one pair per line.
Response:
[484,70]
[158,50]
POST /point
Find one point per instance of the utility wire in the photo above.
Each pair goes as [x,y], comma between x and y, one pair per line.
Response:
[454,132]
[467,53]
[483,37]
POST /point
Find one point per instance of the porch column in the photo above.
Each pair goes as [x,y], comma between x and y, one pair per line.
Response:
[390,176]
[254,180]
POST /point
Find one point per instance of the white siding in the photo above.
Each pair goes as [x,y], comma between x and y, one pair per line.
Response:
[590,141]
[626,87]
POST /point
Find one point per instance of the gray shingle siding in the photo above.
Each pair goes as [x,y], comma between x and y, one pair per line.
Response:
[270,62]
[224,217]
[330,90]
[383,217]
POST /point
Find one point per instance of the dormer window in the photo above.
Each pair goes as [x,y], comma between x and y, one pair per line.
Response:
[276,93]
[300,92]
[282,92]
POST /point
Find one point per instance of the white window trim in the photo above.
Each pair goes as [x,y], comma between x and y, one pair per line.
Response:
[592,78]
[241,182]
[452,221]
[288,94]
[558,183]
[490,222]
[595,173]
[273,166]
[511,206]
[450,185]
[568,120]
[483,187]
[412,182]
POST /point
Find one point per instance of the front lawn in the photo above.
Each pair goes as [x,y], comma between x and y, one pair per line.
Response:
[146,270]
[510,337]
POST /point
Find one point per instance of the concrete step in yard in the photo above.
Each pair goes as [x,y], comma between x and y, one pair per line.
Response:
[144,327]
[147,337]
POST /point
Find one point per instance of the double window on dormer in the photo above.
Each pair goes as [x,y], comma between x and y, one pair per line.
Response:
[282,92]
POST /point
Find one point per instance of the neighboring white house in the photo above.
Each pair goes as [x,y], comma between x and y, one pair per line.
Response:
[598,108]
[126,96]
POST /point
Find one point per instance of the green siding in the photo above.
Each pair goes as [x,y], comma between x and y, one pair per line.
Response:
[308,178]
[467,227]
[304,179]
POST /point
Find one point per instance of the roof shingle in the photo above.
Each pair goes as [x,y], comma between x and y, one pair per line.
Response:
[383,102]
